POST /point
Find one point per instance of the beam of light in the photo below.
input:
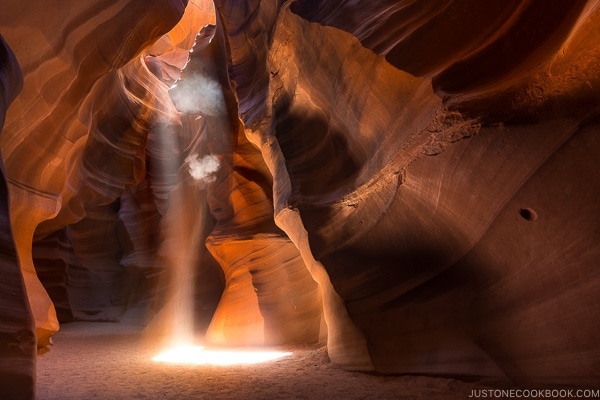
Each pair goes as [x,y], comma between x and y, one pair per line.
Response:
[203,169]
[197,355]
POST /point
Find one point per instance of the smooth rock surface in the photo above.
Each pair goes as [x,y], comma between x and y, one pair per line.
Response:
[412,182]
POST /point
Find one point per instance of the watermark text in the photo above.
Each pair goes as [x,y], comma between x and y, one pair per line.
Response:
[535,393]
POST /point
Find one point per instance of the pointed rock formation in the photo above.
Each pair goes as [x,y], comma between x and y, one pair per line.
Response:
[412,181]
[17,334]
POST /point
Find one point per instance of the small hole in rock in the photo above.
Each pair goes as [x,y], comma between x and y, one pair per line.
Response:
[528,214]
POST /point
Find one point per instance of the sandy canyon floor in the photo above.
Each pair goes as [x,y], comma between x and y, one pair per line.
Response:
[114,361]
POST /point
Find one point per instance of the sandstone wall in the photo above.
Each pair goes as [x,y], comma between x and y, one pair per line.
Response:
[17,331]
[412,181]
[433,161]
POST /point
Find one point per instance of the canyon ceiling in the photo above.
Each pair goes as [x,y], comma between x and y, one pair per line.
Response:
[413,182]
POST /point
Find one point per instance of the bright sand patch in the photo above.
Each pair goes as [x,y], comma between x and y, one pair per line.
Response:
[114,361]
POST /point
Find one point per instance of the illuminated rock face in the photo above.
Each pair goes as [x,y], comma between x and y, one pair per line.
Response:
[443,195]
[17,334]
[413,180]
[269,296]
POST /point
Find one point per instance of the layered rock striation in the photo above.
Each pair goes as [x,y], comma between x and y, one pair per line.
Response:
[423,157]
[412,181]
[17,330]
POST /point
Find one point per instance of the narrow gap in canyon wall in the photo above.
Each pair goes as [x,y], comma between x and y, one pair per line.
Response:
[404,187]
[185,179]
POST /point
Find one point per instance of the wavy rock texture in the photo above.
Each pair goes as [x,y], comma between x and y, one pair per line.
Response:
[17,334]
[412,181]
[74,77]
[51,257]
[269,297]
[431,188]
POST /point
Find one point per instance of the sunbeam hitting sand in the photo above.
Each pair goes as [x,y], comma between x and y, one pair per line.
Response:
[200,356]
[114,361]
[405,188]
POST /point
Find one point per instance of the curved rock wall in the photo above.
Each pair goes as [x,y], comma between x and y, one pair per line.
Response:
[427,187]
[17,334]
[71,72]
[413,181]
[269,297]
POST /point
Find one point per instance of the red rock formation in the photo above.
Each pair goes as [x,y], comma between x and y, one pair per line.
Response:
[71,83]
[17,335]
[269,296]
[50,257]
[417,195]
[419,174]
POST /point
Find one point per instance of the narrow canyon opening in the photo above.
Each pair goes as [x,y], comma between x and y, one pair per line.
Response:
[299,199]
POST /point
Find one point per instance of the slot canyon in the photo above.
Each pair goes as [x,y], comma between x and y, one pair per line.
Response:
[404,194]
